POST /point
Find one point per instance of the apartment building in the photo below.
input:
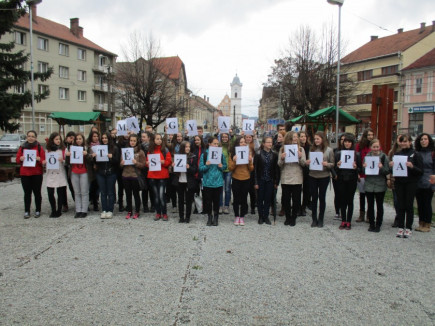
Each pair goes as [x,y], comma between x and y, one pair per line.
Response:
[418,110]
[80,81]
[380,62]
[268,109]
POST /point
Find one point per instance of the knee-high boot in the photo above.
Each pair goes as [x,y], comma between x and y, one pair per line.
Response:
[216,219]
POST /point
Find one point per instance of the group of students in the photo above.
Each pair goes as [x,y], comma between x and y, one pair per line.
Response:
[302,187]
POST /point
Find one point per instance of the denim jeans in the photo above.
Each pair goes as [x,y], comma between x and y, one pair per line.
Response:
[159,187]
[226,190]
[265,196]
[106,183]
[80,183]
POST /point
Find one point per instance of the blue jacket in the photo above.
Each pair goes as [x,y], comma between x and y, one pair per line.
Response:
[212,175]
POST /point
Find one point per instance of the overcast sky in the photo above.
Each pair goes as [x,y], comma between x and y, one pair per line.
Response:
[218,38]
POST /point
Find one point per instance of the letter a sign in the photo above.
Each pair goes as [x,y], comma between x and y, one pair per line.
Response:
[399,167]
[316,160]
[224,125]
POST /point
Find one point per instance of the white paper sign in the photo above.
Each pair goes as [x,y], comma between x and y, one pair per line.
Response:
[215,155]
[192,128]
[399,168]
[316,161]
[180,161]
[291,153]
[29,157]
[171,126]
[242,153]
[224,125]
[102,151]
[76,155]
[347,158]
[52,159]
[248,126]
[132,124]
[155,163]
[121,127]
[372,167]
[127,155]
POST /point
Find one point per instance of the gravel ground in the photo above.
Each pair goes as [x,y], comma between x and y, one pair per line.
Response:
[89,271]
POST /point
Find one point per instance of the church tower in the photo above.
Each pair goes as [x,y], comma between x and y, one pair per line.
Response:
[236,102]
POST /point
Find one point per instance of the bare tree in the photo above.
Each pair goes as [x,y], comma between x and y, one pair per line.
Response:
[145,83]
[305,78]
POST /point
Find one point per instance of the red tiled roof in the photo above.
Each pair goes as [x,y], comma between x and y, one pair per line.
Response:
[59,31]
[428,60]
[170,66]
[388,45]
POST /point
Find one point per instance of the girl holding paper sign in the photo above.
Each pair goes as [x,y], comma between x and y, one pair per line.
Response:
[292,177]
[319,179]
[241,180]
[106,176]
[406,186]
[346,180]
[158,179]
[31,176]
[226,190]
[79,179]
[93,140]
[254,146]
[306,199]
[212,181]
[130,174]
[375,186]
[56,178]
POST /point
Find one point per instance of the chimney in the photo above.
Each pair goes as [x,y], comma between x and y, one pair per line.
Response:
[373,37]
[433,25]
[74,27]
[204,97]
[422,27]
[400,30]
[34,13]
[208,99]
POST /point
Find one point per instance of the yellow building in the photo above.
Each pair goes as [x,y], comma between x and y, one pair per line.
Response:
[379,62]
[79,81]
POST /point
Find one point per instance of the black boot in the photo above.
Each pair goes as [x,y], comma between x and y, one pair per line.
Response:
[187,220]
[216,219]
[266,220]
[260,220]
[303,211]
[182,220]
[314,217]
[210,220]
[320,222]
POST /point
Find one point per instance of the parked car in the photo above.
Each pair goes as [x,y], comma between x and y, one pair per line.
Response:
[10,143]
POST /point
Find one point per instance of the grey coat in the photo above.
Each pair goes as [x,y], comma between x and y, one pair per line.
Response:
[378,183]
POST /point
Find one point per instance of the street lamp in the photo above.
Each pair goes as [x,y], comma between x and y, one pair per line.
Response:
[31,3]
[337,108]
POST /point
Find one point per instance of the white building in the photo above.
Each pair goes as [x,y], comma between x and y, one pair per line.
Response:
[236,102]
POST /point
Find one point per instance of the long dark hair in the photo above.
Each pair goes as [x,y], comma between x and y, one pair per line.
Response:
[91,134]
[418,146]
[232,150]
[364,142]
[110,143]
[152,145]
[83,137]
[324,143]
[51,146]
[194,147]
[137,147]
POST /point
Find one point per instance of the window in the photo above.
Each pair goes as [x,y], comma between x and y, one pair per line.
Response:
[390,70]
[343,78]
[81,54]
[365,75]
[416,123]
[42,44]
[42,89]
[418,85]
[42,66]
[81,75]
[63,49]
[63,72]
[81,96]
[364,99]
[20,38]
[396,96]
[63,93]
[20,89]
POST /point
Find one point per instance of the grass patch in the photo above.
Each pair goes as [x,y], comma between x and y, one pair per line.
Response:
[197,267]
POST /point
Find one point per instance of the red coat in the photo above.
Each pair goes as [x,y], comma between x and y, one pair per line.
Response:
[164,172]
[27,170]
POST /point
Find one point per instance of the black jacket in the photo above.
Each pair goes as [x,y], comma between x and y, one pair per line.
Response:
[259,160]
[192,181]
[111,166]
[416,171]
[347,174]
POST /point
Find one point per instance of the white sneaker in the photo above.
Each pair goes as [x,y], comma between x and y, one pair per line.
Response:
[399,233]
[174,210]
[220,210]
[109,214]
[408,233]
[103,215]
[225,210]
[237,221]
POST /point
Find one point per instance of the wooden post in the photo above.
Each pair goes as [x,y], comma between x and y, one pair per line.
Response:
[382,115]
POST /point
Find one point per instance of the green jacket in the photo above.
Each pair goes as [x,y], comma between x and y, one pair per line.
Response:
[378,183]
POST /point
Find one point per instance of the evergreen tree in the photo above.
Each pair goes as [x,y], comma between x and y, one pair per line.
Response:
[12,74]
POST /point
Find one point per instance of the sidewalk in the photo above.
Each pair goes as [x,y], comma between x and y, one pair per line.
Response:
[70,271]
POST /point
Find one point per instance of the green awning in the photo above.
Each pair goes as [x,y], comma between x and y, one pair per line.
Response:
[327,115]
[77,118]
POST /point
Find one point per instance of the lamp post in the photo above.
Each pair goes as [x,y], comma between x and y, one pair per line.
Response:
[337,108]
[31,3]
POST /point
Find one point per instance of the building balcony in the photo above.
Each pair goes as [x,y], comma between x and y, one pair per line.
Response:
[101,69]
[101,87]
[101,107]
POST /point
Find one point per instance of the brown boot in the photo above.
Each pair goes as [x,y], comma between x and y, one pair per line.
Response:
[426,227]
[421,227]
[361,216]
